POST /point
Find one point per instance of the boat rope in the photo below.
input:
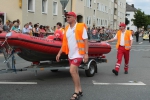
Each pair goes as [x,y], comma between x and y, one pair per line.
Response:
[7,43]
[4,41]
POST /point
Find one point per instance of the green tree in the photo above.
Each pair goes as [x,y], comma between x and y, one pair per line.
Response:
[147,21]
[140,19]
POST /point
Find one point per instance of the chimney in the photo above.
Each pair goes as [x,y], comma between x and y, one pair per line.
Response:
[132,5]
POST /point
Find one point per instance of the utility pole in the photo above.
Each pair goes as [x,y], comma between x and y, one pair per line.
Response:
[64,3]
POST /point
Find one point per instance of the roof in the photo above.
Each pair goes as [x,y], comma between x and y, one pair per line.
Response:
[130,7]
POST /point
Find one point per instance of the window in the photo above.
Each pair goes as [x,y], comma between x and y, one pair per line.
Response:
[124,6]
[127,15]
[31,5]
[119,14]
[118,3]
[105,22]
[98,22]
[101,22]
[89,3]
[94,12]
[97,6]
[44,6]
[89,20]
[102,8]
[84,2]
[111,11]
[54,8]
[106,9]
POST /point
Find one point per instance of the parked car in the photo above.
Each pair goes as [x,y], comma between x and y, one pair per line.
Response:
[145,36]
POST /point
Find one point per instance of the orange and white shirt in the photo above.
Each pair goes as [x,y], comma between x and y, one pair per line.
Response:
[122,41]
[72,43]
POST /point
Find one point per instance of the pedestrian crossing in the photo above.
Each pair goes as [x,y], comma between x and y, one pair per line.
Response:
[135,47]
[143,48]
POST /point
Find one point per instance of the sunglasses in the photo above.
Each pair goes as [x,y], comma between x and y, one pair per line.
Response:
[68,17]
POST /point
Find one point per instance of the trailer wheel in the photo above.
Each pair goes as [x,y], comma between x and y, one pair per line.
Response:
[55,70]
[92,69]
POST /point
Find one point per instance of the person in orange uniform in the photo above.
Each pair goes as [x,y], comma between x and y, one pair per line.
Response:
[59,27]
[75,45]
[124,43]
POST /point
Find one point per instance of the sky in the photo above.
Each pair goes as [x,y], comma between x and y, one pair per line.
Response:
[144,5]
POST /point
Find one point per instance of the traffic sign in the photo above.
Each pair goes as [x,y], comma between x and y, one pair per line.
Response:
[64,3]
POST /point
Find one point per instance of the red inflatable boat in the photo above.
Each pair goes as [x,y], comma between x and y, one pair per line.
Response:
[40,49]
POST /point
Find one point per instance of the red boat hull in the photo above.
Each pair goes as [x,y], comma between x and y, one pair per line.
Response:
[39,49]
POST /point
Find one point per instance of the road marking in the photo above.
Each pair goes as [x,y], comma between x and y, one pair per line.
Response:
[133,49]
[136,45]
[137,83]
[18,82]
[140,42]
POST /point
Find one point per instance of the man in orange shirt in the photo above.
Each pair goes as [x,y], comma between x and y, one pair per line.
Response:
[75,44]
[124,43]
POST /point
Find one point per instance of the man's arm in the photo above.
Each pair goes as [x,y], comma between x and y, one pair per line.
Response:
[86,45]
[131,42]
[60,51]
[111,40]
[131,38]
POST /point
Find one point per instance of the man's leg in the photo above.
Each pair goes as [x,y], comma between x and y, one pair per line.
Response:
[126,58]
[119,59]
[75,77]
[149,38]
[136,38]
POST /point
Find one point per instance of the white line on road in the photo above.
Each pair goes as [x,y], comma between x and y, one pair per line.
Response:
[138,83]
[140,42]
[137,45]
[18,82]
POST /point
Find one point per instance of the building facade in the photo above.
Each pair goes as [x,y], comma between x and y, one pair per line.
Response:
[130,9]
[119,12]
[107,13]
[45,12]
[98,13]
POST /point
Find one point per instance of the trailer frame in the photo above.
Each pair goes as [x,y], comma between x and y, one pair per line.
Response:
[9,55]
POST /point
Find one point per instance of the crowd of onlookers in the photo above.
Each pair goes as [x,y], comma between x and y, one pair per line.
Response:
[41,31]
[96,33]
[30,29]
[100,33]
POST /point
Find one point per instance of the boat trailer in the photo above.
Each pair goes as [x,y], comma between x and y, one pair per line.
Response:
[9,55]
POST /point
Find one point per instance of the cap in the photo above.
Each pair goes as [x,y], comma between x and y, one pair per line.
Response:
[122,24]
[71,14]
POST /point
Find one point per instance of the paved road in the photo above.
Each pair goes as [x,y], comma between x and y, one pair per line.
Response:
[103,86]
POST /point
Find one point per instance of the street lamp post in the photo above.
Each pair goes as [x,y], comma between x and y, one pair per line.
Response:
[64,3]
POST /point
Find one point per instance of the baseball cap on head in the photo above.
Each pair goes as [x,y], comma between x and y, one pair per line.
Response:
[122,24]
[71,14]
